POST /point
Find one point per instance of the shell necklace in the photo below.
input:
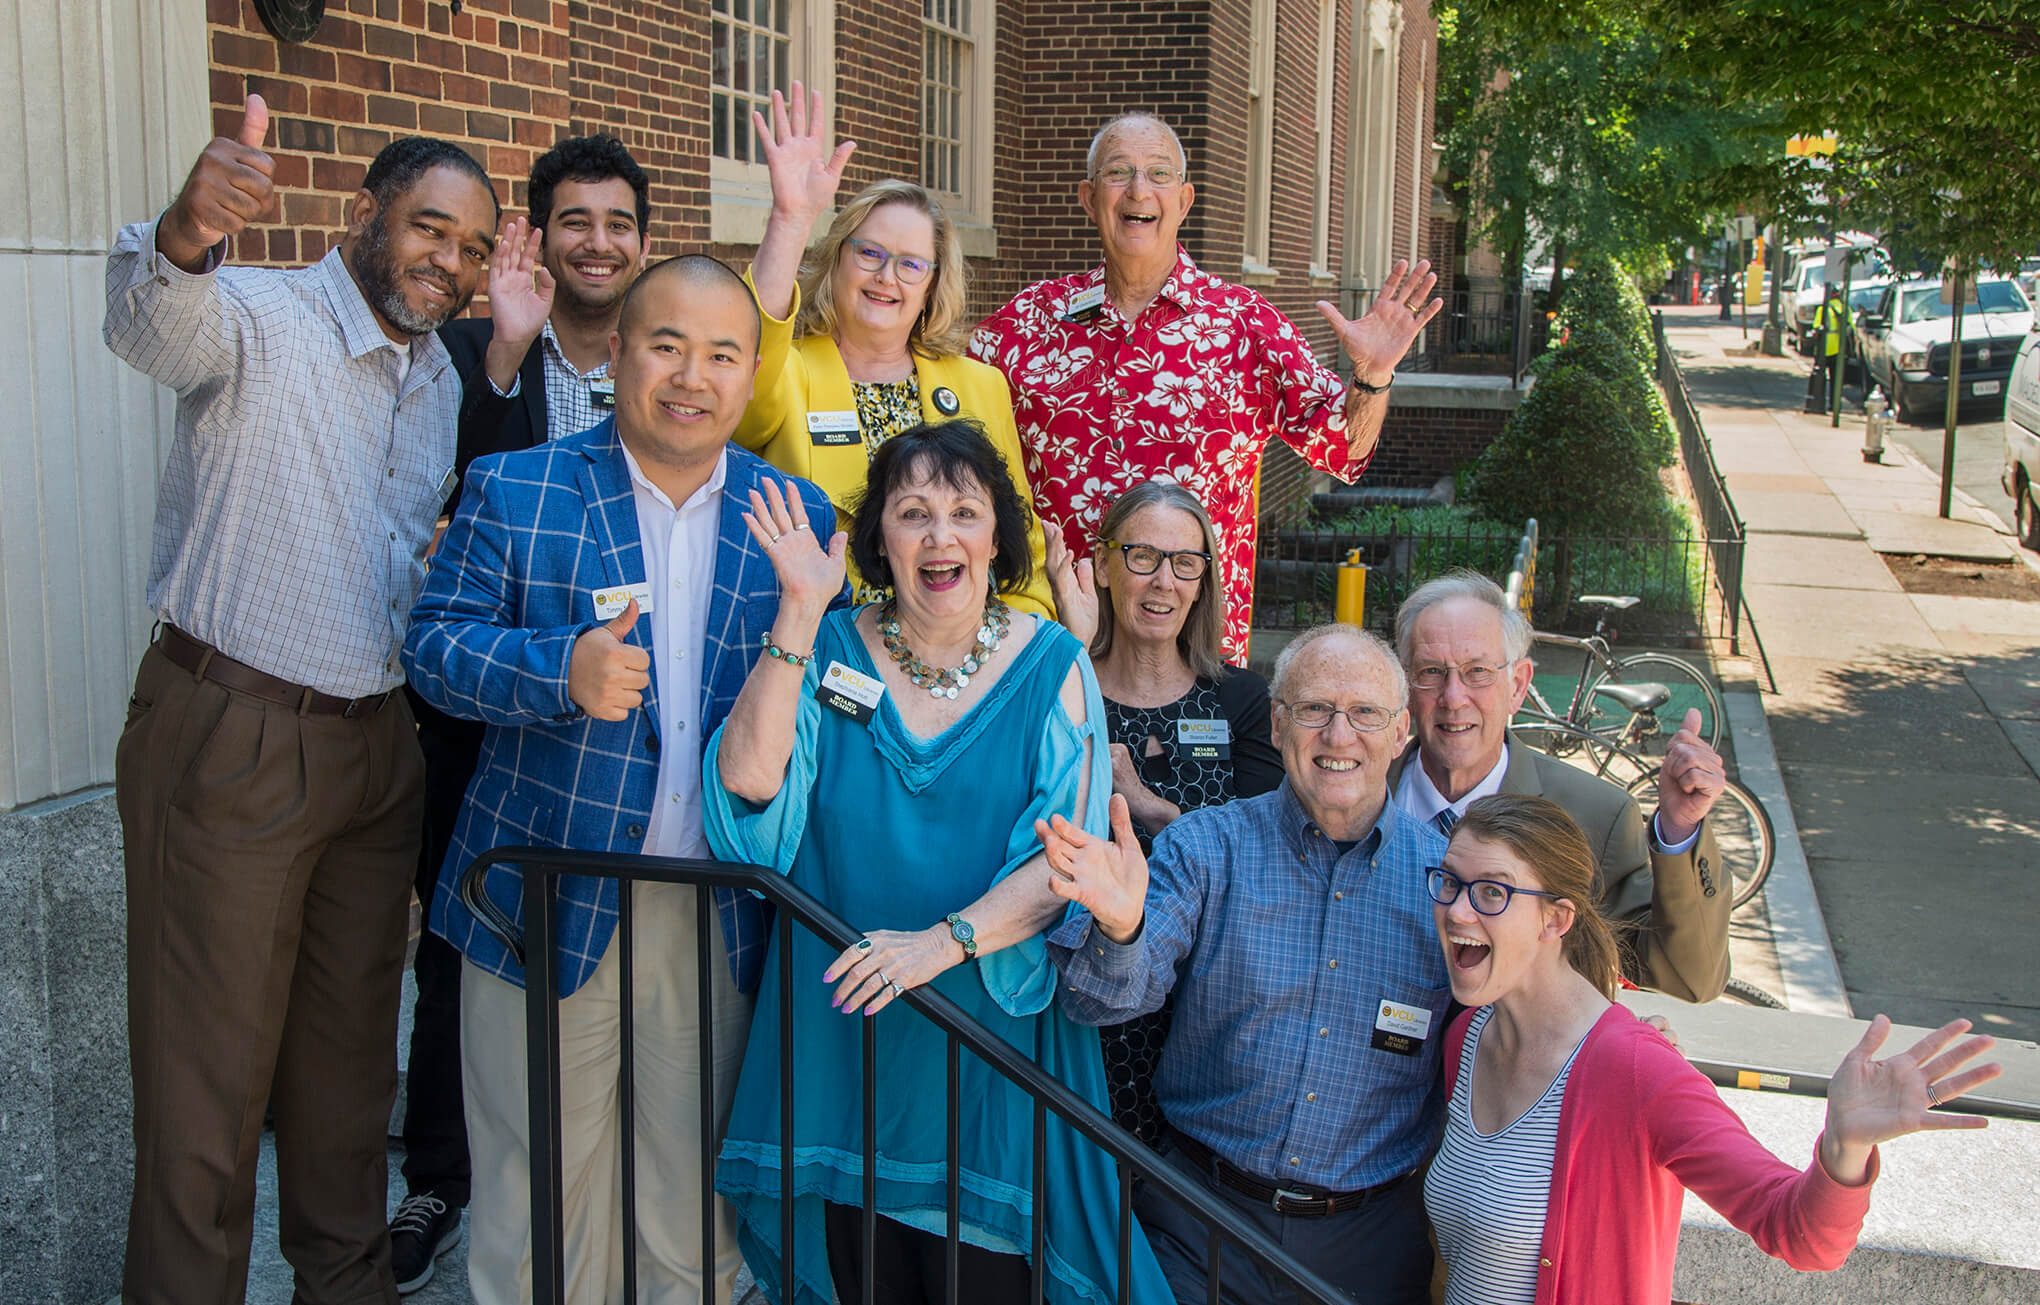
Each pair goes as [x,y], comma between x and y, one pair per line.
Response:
[943,682]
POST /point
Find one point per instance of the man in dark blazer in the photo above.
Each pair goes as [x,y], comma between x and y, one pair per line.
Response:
[599,602]
[536,370]
[1466,652]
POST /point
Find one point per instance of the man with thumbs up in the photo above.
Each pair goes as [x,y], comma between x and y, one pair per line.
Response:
[598,602]
[1467,654]
[269,778]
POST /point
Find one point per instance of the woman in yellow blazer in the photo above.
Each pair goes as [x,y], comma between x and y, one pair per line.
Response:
[865,339]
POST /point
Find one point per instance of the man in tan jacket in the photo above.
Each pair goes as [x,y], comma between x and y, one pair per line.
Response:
[1467,654]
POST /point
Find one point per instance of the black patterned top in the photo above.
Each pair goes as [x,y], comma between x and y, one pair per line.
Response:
[1191,767]
[885,408]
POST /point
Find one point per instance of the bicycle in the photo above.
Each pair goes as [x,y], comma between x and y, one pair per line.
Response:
[1744,836]
[1636,702]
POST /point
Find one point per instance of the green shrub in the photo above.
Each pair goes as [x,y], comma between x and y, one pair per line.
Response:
[1582,452]
[1601,294]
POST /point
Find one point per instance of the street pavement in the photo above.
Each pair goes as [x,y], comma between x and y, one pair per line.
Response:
[1906,726]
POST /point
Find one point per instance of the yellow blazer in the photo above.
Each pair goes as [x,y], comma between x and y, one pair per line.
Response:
[796,377]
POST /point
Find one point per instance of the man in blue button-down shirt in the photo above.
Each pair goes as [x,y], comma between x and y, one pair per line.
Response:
[1301,1075]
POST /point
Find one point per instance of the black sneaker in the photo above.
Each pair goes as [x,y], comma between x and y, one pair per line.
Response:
[423,1229]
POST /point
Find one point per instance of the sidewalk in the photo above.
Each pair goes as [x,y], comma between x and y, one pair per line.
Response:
[1906,725]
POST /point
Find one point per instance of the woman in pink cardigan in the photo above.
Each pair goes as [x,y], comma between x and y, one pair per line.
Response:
[1573,1127]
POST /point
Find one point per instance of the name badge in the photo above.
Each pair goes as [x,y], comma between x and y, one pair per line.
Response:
[603,391]
[1203,740]
[1400,1029]
[851,692]
[1084,303]
[834,428]
[610,603]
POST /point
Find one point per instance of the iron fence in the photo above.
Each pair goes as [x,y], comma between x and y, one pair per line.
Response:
[1297,574]
[541,869]
[1718,517]
[1491,332]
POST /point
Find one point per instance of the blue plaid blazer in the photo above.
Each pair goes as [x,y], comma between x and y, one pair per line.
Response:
[506,596]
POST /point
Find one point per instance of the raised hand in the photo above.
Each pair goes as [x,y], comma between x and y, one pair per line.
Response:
[810,576]
[1378,341]
[606,677]
[1872,1101]
[1689,783]
[229,187]
[1108,879]
[804,171]
[1073,585]
[520,287]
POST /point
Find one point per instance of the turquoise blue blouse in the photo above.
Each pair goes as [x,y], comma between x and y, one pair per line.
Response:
[894,831]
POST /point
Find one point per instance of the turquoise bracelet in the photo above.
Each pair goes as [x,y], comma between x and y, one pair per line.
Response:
[774,650]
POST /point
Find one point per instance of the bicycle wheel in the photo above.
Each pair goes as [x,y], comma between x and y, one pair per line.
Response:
[1648,733]
[1743,835]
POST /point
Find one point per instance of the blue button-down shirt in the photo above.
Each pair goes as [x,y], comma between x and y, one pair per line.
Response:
[1281,951]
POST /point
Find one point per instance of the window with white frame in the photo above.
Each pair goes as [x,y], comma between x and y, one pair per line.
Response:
[755,48]
[1321,119]
[1260,134]
[956,117]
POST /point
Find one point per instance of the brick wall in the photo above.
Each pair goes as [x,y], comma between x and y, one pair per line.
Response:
[638,69]
[1418,445]
[493,78]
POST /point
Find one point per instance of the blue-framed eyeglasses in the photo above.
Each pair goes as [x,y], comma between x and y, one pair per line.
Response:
[1489,896]
[873,258]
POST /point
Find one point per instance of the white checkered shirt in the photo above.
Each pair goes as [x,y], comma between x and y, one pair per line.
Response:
[570,406]
[308,468]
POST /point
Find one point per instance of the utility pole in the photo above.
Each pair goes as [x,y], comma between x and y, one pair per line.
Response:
[1954,395]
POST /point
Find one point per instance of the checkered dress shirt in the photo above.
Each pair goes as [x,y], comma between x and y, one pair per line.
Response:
[570,406]
[308,467]
[1281,950]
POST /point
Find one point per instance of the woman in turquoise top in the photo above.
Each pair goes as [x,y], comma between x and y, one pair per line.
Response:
[908,806]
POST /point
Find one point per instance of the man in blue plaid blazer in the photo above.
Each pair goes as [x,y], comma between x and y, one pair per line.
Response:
[597,721]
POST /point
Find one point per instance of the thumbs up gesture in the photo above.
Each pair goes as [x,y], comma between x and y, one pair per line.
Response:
[606,677]
[230,186]
[1108,879]
[1690,781]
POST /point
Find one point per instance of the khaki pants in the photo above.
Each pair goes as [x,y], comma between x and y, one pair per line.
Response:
[269,866]
[668,1118]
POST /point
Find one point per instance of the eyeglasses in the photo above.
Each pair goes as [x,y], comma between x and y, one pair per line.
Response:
[1143,559]
[1317,715]
[1430,679]
[1161,176]
[873,258]
[1489,896]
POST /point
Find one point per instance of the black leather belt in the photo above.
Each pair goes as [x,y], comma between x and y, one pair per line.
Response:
[209,663]
[1291,1202]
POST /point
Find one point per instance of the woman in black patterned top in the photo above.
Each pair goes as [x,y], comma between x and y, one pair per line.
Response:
[1186,730]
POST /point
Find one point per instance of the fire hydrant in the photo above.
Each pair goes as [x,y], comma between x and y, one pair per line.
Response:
[1876,425]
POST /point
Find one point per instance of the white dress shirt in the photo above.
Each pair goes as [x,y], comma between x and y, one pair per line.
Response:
[679,550]
[1419,797]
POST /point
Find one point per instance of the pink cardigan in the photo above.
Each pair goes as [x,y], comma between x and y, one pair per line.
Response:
[1637,1125]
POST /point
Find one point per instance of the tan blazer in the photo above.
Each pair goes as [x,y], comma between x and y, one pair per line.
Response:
[1678,903]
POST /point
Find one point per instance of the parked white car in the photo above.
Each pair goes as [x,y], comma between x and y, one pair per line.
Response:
[1904,343]
[2021,475]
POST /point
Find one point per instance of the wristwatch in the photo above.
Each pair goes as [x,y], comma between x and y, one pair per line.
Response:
[966,937]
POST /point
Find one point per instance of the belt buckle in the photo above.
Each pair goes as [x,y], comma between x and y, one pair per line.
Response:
[1275,1202]
[359,706]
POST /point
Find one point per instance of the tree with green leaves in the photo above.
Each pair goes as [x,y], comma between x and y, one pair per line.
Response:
[1591,139]
[1928,98]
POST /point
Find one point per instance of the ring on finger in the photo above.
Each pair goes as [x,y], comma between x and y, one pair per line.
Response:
[800,525]
[1933,1097]
[896,989]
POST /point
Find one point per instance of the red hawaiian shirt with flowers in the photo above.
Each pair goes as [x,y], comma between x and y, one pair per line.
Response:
[1191,391]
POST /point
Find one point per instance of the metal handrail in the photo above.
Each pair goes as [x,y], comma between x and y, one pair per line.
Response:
[542,866]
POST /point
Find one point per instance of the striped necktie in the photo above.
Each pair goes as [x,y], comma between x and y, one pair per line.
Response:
[1445,820]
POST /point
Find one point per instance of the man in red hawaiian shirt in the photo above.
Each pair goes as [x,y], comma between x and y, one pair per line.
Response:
[1147,366]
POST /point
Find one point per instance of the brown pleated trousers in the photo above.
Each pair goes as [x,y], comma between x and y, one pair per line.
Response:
[269,865]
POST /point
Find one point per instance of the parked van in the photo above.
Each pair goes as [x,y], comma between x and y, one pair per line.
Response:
[2021,475]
